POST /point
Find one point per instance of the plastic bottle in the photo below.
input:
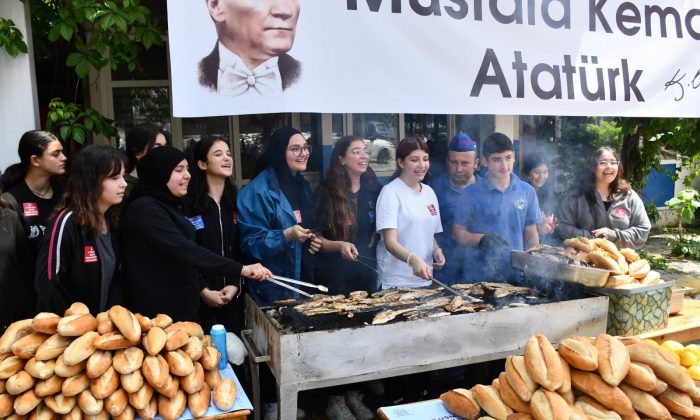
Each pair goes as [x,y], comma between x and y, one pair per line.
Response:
[218,340]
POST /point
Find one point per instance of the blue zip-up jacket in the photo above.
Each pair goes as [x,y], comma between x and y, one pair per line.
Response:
[263,214]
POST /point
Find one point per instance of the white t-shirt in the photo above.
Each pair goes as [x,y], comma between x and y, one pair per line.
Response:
[416,216]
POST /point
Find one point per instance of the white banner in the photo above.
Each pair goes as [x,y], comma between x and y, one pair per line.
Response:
[539,57]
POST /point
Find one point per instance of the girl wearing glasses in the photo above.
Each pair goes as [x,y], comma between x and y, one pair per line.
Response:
[346,212]
[275,215]
[605,205]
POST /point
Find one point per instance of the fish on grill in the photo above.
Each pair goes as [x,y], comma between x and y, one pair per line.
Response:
[560,255]
[496,290]
[387,315]
[431,313]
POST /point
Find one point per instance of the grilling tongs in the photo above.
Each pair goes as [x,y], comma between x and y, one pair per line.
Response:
[282,281]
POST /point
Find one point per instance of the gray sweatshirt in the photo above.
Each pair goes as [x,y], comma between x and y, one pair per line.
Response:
[626,217]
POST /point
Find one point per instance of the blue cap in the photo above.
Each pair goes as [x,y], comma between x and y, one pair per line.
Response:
[462,143]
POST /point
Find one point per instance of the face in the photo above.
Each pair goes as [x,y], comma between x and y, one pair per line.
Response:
[356,158]
[113,190]
[219,161]
[297,154]
[500,165]
[461,166]
[415,165]
[538,176]
[259,29]
[606,168]
[160,141]
[52,160]
[179,179]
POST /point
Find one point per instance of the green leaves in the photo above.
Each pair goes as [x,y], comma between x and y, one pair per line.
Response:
[11,38]
[71,123]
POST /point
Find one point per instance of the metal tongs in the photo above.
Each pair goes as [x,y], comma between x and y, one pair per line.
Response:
[282,281]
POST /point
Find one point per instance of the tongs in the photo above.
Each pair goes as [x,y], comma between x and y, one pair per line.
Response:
[282,281]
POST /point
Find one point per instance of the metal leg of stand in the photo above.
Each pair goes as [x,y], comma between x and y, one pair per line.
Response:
[254,360]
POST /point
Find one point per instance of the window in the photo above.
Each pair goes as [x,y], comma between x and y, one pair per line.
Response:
[434,129]
[380,133]
[140,105]
[255,131]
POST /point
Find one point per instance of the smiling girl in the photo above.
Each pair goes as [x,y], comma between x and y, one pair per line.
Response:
[408,217]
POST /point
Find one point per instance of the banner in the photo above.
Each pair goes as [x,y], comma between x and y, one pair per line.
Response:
[532,57]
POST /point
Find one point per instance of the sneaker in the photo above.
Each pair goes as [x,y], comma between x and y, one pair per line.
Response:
[270,412]
[358,408]
[376,387]
[337,409]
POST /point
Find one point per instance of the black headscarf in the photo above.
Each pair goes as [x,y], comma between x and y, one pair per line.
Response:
[155,170]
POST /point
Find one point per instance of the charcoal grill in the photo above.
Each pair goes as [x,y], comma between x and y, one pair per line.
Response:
[350,351]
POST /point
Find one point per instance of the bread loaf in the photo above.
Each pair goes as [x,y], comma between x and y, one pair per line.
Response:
[151,410]
[128,414]
[48,386]
[645,403]
[60,404]
[206,340]
[162,321]
[175,339]
[639,269]
[45,322]
[192,329]
[125,322]
[547,405]
[580,353]
[102,415]
[77,325]
[170,387]
[518,416]
[144,322]
[132,382]
[172,408]
[116,402]
[580,243]
[2,386]
[155,370]
[75,385]
[486,396]
[106,327]
[194,381]
[98,363]
[14,332]
[542,362]
[89,404]
[594,410]
[630,254]
[77,308]
[154,341]
[212,378]
[193,348]
[19,382]
[459,402]
[10,366]
[65,371]
[6,405]
[677,402]
[641,376]
[664,365]
[80,349]
[510,397]
[25,347]
[565,377]
[610,396]
[618,281]
[113,341]
[75,414]
[40,370]
[140,398]
[210,358]
[225,394]
[613,359]
[568,396]
[128,360]
[179,363]
[105,385]
[53,347]
[199,403]
[604,261]
[608,246]
[659,388]
[26,403]
[652,277]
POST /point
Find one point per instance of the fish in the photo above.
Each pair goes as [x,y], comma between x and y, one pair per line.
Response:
[387,315]
[456,302]
[358,295]
[432,313]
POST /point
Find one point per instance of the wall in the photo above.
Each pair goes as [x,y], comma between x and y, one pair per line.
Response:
[19,110]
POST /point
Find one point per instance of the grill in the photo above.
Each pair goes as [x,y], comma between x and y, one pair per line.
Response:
[309,352]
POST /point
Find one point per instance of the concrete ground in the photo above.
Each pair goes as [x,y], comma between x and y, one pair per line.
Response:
[684,271]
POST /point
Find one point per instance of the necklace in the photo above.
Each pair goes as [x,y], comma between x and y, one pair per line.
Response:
[42,196]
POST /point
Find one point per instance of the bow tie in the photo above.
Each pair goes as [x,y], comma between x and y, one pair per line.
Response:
[237,81]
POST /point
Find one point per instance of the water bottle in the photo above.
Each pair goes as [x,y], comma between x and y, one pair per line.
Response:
[218,340]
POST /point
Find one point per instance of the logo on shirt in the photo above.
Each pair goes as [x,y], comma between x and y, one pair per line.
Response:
[89,255]
[197,222]
[30,209]
[297,214]
[520,204]
[36,231]
[621,213]
[432,210]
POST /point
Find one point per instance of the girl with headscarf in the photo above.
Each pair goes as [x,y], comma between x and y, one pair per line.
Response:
[161,256]
[275,215]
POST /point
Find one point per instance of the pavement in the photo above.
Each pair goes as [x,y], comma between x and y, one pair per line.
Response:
[684,271]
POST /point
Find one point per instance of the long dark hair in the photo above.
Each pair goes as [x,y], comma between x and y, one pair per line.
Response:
[94,164]
[532,161]
[406,147]
[32,143]
[141,137]
[619,184]
[198,186]
[338,201]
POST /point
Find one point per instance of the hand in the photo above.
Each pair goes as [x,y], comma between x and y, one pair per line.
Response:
[548,224]
[256,272]
[348,251]
[492,242]
[438,259]
[297,233]
[420,268]
[605,233]
[212,298]
[314,244]
[228,293]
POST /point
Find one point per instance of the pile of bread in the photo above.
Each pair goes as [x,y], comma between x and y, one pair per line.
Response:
[117,364]
[601,378]
[628,270]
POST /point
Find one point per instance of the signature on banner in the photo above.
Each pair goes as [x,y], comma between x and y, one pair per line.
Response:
[680,81]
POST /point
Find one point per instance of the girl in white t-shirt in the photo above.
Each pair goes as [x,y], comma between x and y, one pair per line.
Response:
[408,217]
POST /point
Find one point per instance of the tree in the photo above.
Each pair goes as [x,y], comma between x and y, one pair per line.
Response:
[91,34]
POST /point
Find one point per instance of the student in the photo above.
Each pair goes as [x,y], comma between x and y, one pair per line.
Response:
[536,173]
[462,161]
[33,191]
[161,258]
[499,213]
[605,206]
[275,215]
[211,208]
[139,140]
[78,257]
[408,217]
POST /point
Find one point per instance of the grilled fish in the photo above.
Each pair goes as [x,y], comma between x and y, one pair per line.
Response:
[385,316]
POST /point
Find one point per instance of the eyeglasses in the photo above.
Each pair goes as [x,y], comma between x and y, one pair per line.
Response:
[604,163]
[360,152]
[298,150]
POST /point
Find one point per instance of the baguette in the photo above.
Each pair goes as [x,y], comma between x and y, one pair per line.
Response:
[517,416]
[2,385]
[172,408]
[459,402]
[65,371]
[162,321]
[98,363]
[142,397]
[565,377]
[60,404]
[43,412]
[608,246]
[652,277]
[543,363]
[106,327]
[25,347]
[193,382]
[128,414]
[225,394]
[641,376]
[132,382]
[128,360]
[26,403]
[170,387]
[594,410]
[6,405]
[485,395]
[155,370]
[604,261]
[90,405]
[619,280]
[510,397]
[151,410]
[191,328]
[610,396]
[175,339]
[53,347]
[77,325]
[645,403]
[613,359]
[102,415]
[81,348]
[580,354]
[179,363]
[40,370]
[14,332]
[75,385]
[75,414]
[11,366]
[193,348]
[210,358]
[580,243]
[199,403]
[77,308]
[48,386]
[45,322]
[113,341]
[677,402]
[116,402]
[569,397]
[105,385]
[664,365]
[125,322]
[547,405]
[630,254]
[144,322]
[639,268]
[518,378]
[154,341]
[659,387]
[212,378]
[19,382]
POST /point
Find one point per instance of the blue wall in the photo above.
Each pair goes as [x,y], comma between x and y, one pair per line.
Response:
[660,186]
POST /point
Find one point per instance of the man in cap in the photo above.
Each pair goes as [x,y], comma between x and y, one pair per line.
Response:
[462,161]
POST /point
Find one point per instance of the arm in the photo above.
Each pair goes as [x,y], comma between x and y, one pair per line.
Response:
[391,241]
[568,226]
[464,237]
[635,236]
[530,237]
[438,256]
[347,250]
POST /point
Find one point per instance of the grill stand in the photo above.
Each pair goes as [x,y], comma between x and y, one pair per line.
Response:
[320,359]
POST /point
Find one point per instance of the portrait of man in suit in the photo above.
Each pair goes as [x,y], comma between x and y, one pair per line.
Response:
[250,57]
